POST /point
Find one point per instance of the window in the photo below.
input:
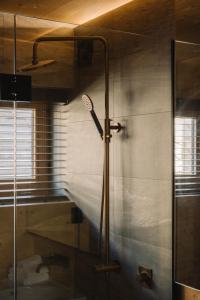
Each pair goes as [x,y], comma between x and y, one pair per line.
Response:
[185,146]
[17,132]
[32,147]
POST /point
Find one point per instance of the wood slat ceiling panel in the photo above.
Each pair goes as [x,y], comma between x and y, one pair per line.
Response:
[71,11]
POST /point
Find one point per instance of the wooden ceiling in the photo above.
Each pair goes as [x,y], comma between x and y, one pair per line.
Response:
[179,18]
[58,75]
[137,16]
[71,11]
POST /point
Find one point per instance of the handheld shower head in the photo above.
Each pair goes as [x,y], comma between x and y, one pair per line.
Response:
[90,107]
[34,66]
[87,102]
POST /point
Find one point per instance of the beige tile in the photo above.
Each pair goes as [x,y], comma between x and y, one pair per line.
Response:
[142,210]
[132,254]
[142,79]
[86,191]
[148,59]
[143,148]
[132,97]
[76,110]
[85,149]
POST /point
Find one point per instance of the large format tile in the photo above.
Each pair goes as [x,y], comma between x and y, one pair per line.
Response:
[142,79]
[133,97]
[142,210]
[84,149]
[149,59]
[86,191]
[132,254]
[96,91]
[143,148]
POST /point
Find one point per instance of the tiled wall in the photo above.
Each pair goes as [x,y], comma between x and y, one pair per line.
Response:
[141,168]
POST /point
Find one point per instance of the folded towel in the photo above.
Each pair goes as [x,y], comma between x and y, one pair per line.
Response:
[30,264]
[26,271]
[35,278]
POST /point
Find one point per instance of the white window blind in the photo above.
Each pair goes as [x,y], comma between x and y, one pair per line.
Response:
[186,162]
[32,151]
[17,123]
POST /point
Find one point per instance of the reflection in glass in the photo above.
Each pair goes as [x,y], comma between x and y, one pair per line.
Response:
[185,146]
[6,183]
[187,164]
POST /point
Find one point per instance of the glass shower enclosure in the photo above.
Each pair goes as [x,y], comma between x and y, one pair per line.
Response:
[41,230]
[51,160]
[186,163]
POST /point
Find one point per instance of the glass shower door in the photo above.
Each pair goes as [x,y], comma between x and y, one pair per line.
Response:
[48,233]
[187,167]
[7,168]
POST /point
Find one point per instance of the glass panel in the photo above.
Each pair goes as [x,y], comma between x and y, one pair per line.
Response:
[187,166]
[47,238]
[137,85]
[58,211]
[7,133]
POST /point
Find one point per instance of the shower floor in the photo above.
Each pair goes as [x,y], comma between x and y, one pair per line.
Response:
[40,292]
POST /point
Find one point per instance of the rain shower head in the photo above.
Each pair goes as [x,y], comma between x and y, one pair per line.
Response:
[90,107]
[87,102]
[36,65]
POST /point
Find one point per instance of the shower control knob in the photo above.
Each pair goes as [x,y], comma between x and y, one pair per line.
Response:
[116,127]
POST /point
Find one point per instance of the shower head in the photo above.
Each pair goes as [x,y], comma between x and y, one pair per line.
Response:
[87,102]
[36,65]
[90,107]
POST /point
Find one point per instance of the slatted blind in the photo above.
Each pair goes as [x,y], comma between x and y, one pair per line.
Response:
[25,124]
[187,180]
[32,151]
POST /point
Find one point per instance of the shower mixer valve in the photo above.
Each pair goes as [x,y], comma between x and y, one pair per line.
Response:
[116,126]
[108,128]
